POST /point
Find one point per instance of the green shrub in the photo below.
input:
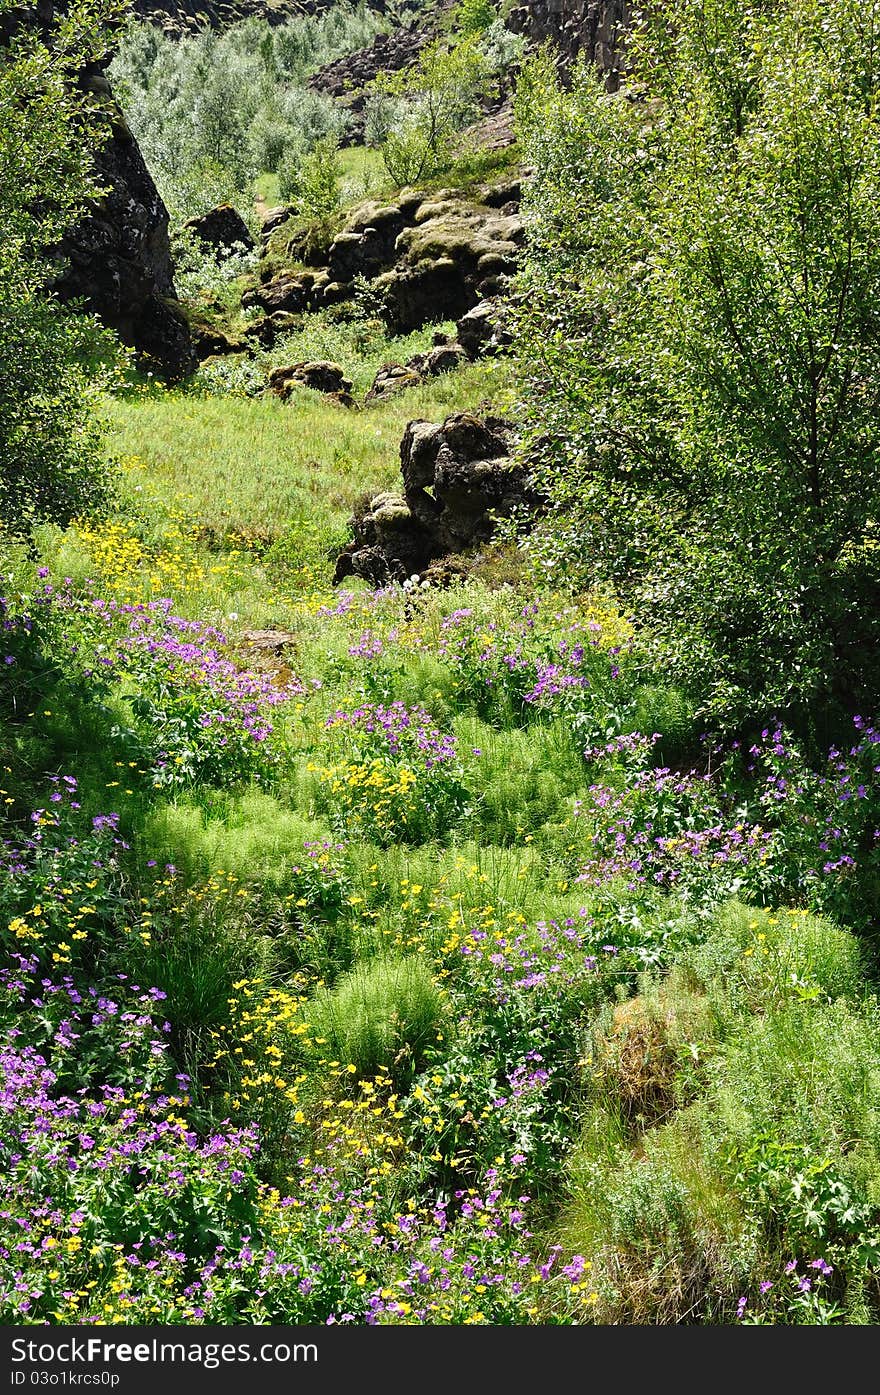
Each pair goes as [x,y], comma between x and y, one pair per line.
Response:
[52,461]
[311,178]
[703,430]
[381,1016]
[524,779]
[667,713]
[251,835]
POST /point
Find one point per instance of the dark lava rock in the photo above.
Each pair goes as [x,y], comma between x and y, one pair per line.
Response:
[595,29]
[346,78]
[366,244]
[222,229]
[441,359]
[505,196]
[119,260]
[443,260]
[210,342]
[457,477]
[395,377]
[412,296]
[289,291]
[481,332]
[270,328]
[274,218]
[320,376]
[391,378]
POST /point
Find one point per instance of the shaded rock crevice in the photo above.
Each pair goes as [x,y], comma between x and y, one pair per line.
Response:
[118,260]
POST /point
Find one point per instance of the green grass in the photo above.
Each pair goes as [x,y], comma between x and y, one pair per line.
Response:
[715,1088]
[261,464]
[381,1016]
[364,175]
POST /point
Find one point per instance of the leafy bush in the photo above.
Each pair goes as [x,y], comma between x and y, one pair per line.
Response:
[415,115]
[311,179]
[698,344]
[52,460]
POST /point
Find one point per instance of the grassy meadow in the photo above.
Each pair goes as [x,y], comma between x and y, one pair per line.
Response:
[425,962]
[417,955]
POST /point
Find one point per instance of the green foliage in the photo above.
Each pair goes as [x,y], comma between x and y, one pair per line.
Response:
[252,836]
[51,460]
[381,1016]
[200,274]
[213,111]
[311,179]
[699,343]
[416,115]
[526,778]
[766,958]
[771,1167]
[473,16]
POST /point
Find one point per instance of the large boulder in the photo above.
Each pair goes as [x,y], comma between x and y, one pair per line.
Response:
[275,218]
[289,291]
[481,331]
[395,377]
[457,478]
[118,261]
[267,330]
[320,376]
[211,342]
[446,260]
[425,258]
[392,378]
[412,296]
[367,243]
[222,230]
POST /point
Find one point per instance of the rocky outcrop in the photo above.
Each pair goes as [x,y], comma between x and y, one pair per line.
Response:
[595,28]
[222,230]
[210,342]
[446,262]
[481,332]
[274,218]
[425,257]
[320,376]
[270,328]
[456,477]
[118,258]
[392,378]
[289,292]
[346,79]
[494,131]
[395,377]
[367,243]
